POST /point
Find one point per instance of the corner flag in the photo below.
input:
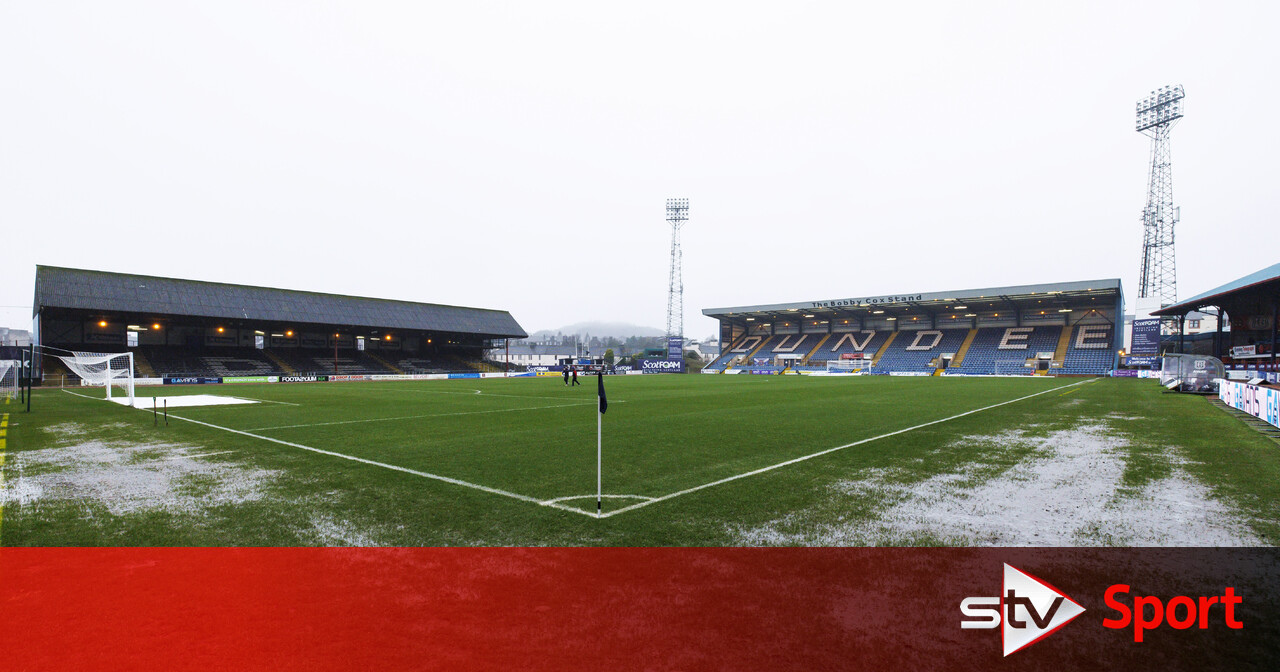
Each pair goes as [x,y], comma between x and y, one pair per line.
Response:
[604,402]
[604,406]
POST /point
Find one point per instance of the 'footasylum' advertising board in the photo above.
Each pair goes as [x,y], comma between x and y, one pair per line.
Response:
[661,366]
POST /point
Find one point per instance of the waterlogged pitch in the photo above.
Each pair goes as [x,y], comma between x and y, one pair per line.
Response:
[687,460]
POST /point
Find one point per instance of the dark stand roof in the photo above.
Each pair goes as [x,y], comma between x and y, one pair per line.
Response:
[70,288]
[1252,293]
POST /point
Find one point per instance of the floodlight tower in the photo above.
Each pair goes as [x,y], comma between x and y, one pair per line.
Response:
[677,215]
[1158,278]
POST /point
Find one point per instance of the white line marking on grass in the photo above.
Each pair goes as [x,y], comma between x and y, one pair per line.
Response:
[831,450]
[411,417]
[84,396]
[487,394]
[565,499]
[266,401]
[384,465]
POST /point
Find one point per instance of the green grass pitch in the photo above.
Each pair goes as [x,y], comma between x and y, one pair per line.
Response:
[688,460]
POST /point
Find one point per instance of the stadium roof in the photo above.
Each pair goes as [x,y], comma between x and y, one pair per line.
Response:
[1265,280]
[1061,294]
[76,289]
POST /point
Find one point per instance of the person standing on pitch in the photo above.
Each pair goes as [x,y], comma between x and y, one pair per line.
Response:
[566,375]
[575,376]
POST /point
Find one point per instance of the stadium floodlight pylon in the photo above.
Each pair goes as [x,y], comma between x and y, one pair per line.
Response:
[1156,116]
[9,371]
[677,215]
[107,369]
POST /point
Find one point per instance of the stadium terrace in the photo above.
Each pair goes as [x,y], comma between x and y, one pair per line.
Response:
[1067,328]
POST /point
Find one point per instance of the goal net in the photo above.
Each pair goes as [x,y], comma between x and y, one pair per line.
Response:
[849,366]
[1013,367]
[105,369]
[9,371]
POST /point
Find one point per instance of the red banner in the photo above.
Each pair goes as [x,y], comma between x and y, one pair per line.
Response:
[635,609]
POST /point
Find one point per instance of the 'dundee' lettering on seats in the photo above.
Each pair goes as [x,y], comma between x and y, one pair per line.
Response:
[783,347]
[857,347]
[915,345]
[1015,338]
[1093,337]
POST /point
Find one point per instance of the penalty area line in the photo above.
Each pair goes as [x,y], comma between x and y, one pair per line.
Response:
[820,453]
[392,467]
[417,417]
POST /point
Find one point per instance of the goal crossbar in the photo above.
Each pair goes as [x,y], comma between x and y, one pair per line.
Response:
[108,369]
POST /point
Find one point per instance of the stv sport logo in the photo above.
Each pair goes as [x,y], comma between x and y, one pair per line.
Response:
[1027,611]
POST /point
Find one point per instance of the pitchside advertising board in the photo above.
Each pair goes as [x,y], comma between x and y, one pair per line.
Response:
[1260,402]
[1145,338]
[662,366]
[675,349]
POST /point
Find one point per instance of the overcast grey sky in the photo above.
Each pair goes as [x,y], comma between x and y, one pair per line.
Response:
[518,155]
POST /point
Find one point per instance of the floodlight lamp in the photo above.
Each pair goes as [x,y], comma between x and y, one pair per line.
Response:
[157,326]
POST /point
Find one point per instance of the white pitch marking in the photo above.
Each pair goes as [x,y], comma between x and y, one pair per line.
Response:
[832,450]
[413,417]
[384,465]
[565,499]
[84,396]
[267,401]
[487,394]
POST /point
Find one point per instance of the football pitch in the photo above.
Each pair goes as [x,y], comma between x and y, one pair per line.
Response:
[687,460]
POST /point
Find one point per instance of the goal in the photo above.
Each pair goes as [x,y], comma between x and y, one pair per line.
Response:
[9,372]
[103,368]
[849,366]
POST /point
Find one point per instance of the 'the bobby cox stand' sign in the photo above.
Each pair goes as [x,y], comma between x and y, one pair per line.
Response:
[1260,402]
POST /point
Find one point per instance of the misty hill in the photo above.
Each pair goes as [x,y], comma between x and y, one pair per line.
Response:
[620,330]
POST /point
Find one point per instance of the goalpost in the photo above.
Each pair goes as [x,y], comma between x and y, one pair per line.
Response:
[10,369]
[849,366]
[108,369]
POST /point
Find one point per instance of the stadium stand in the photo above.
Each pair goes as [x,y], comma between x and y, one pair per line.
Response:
[1089,350]
[738,349]
[790,344]
[913,351]
[866,342]
[181,328]
[997,344]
